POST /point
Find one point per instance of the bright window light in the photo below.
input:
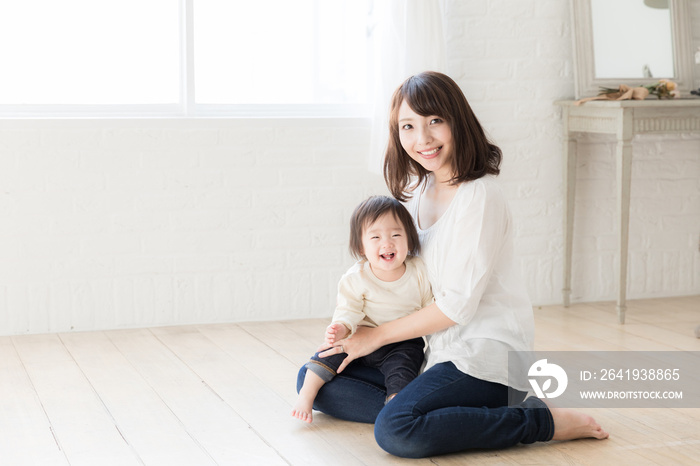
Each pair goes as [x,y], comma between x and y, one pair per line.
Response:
[87,52]
[280,51]
[183,57]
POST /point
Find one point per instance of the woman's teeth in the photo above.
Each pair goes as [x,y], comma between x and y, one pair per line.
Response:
[430,152]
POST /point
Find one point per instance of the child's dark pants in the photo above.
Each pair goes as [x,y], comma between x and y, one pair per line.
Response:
[399,362]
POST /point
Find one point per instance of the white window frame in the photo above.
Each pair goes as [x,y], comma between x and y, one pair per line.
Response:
[187,107]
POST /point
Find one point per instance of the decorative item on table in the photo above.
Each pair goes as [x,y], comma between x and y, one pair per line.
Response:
[663,89]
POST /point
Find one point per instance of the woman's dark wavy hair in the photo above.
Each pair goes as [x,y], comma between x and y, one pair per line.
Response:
[431,93]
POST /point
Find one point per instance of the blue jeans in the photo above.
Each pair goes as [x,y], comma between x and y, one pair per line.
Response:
[399,362]
[442,411]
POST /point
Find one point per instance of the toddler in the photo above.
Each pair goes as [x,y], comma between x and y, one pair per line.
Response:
[389,281]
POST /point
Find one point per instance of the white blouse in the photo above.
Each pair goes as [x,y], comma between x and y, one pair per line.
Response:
[476,282]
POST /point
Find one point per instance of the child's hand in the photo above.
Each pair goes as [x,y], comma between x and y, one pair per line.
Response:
[335,332]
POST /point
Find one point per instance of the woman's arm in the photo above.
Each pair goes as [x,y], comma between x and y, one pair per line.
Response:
[366,340]
[424,322]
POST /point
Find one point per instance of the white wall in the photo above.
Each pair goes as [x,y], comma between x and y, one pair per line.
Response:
[116,223]
[513,59]
[126,223]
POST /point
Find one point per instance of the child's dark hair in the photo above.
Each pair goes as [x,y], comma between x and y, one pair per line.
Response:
[431,93]
[369,211]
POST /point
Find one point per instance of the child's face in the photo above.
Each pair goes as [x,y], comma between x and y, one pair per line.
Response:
[427,140]
[385,245]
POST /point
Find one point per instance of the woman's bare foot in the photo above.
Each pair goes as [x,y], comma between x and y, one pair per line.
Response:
[303,409]
[570,424]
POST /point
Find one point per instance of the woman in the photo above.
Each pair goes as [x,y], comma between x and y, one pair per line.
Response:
[442,163]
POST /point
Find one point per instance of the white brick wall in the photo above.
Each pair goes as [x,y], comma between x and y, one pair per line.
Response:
[514,59]
[119,223]
[125,223]
[664,219]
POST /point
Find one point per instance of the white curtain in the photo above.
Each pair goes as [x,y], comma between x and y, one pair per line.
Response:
[407,38]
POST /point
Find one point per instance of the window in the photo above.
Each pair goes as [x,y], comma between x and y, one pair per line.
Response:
[192,57]
[84,52]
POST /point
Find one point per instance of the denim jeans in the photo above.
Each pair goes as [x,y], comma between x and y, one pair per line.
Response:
[400,363]
[357,394]
[442,411]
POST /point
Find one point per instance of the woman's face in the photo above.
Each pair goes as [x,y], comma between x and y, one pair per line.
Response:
[427,140]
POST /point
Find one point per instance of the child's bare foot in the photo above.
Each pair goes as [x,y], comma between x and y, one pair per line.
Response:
[304,406]
[570,424]
[303,409]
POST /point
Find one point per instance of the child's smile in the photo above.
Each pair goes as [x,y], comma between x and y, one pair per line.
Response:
[385,245]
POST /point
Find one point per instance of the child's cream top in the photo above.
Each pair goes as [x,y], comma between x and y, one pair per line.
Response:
[363,299]
[477,283]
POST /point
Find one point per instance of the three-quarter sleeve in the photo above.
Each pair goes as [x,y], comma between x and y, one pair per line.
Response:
[471,250]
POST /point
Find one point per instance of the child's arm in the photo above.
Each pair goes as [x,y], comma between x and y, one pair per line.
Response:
[350,303]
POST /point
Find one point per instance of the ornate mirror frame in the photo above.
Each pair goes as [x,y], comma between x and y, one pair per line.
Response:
[587,85]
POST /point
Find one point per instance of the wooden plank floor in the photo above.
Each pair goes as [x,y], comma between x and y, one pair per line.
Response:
[221,394]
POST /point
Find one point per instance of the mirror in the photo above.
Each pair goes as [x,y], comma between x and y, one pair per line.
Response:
[642,51]
[631,42]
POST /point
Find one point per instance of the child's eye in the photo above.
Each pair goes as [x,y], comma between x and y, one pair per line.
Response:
[396,235]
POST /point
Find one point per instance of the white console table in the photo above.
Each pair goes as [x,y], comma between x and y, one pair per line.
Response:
[624,119]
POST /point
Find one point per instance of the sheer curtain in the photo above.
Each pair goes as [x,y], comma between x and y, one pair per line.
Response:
[407,38]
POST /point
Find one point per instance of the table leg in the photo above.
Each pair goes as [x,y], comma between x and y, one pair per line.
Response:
[569,205]
[624,175]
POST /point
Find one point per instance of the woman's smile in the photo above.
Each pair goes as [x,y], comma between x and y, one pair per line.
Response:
[427,139]
[429,154]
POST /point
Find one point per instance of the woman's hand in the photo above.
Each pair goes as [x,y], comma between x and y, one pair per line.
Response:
[366,339]
[363,342]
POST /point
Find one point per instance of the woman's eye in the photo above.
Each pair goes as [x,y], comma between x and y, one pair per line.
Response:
[435,121]
[407,127]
